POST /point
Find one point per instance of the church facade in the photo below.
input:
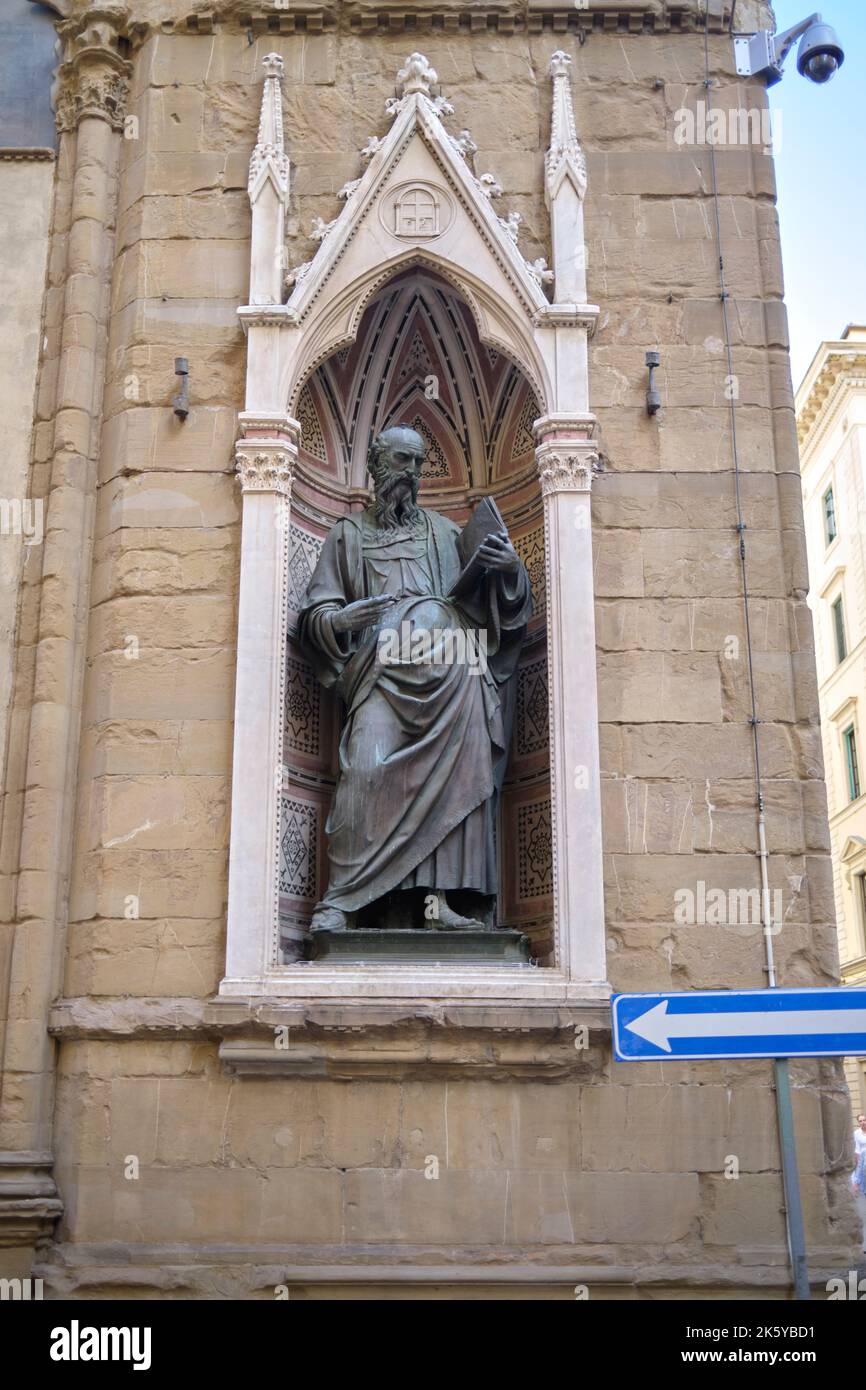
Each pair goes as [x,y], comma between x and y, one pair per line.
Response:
[263,236]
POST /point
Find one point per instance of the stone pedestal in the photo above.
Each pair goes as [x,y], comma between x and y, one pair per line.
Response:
[501,946]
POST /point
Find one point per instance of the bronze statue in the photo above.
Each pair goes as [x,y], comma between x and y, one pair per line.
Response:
[420,639]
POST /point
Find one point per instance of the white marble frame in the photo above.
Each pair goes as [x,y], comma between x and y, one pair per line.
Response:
[478,254]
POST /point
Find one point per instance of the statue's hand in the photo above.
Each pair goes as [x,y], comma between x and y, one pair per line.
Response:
[360,614]
[497,553]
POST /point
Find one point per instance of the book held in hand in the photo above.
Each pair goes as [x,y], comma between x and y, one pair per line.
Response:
[485,520]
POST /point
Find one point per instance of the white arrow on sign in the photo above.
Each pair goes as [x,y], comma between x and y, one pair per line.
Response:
[657,1026]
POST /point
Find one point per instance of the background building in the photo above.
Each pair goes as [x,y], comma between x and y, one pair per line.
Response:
[188,1108]
[831,423]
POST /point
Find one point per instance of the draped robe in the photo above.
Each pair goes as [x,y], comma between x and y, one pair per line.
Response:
[424,746]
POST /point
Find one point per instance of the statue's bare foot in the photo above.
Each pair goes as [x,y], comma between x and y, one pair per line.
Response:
[449,920]
[329,919]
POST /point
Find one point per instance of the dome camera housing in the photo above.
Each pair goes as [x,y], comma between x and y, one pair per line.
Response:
[820,54]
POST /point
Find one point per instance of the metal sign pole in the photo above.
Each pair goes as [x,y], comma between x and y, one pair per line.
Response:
[791,1180]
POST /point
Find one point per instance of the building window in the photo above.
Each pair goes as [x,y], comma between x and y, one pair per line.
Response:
[839,631]
[829,516]
[849,739]
[861,906]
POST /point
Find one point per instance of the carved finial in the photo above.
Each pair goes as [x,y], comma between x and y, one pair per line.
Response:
[273,65]
[416,75]
[269,158]
[565,158]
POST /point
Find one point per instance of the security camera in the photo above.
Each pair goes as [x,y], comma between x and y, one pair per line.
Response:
[820,54]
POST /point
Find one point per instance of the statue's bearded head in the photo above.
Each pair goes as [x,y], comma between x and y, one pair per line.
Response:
[395,461]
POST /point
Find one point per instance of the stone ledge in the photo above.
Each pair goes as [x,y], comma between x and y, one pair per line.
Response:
[29,1205]
[239,1272]
[350,1041]
[94,1018]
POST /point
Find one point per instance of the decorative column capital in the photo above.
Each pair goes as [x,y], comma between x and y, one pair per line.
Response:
[267,454]
[566,455]
[572,472]
[269,469]
[93,79]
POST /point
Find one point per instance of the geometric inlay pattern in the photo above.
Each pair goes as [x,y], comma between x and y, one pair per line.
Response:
[524,439]
[302,708]
[534,850]
[304,551]
[530,548]
[312,439]
[435,463]
[298,848]
[532,710]
[417,362]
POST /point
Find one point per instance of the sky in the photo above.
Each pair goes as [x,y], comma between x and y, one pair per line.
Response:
[820,151]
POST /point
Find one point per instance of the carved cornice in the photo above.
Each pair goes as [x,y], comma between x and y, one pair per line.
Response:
[364,1039]
[564,428]
[611,17]
[568,316]
[844,367]
[93,79]
[28,153]
[278,426]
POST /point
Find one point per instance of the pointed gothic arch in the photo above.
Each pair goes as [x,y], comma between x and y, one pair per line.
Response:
[417,357]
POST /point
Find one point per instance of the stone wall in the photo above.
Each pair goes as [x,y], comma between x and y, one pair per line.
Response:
[611,1174]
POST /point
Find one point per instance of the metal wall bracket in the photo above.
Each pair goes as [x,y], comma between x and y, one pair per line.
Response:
[180,402]
[653,399]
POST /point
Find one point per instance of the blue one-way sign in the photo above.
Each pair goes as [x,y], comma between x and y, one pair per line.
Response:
[739,1023]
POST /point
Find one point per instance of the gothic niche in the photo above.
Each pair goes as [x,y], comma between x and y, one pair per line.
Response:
[417,360]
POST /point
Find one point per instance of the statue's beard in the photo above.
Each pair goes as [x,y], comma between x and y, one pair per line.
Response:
[396,498]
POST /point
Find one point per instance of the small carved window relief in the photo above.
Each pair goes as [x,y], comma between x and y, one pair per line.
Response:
[416,213]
